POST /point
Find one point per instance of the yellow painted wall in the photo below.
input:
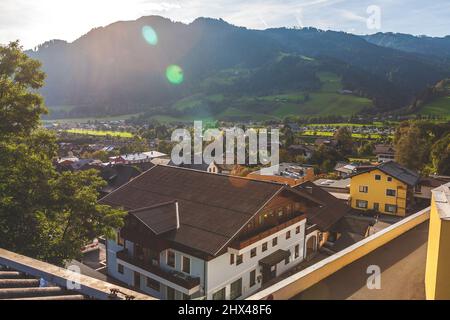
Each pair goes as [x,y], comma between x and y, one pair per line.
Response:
[437,273]
[377,191]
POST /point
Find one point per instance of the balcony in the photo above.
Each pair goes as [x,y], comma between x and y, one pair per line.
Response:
[249,240]
[190,284]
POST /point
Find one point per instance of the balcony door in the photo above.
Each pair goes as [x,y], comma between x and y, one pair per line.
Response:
[137,280]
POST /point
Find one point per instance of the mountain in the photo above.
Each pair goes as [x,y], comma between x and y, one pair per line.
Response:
[224,71]
[429,46]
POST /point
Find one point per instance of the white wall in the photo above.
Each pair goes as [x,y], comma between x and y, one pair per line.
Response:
[222,274]
[219,271]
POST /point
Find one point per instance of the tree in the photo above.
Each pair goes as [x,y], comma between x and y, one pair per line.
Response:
[440,155]
[344,140]
[412,145]
[43,214]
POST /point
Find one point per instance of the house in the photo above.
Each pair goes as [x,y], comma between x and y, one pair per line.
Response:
[437,274]
[287,173]
[220,168]
[116,176]
[321,221]
[191,234]
[137,157]
[384,152]
[334,186]
[387,188]
[344,170]
[329,142]
[301,150]
[213,167]
[425,186]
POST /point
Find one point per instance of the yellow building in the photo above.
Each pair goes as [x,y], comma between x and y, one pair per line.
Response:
[387,188]
[437,273]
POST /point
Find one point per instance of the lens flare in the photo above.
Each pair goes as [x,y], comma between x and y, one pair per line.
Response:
[150,35]
[174,74]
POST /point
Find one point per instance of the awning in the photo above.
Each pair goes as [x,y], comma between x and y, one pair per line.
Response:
[275,258]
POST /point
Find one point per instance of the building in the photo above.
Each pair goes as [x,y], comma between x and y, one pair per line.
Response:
[135,158]
[220,168]
[384,152]
[437,272]
[322,221]
[387,188]
[303,150]
[344,170]
[191,234]
[287,173]
[116,176]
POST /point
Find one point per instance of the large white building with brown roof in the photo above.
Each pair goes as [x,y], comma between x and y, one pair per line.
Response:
[191,234]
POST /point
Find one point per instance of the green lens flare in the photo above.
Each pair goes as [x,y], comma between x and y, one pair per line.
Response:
[174,74]
[150,35]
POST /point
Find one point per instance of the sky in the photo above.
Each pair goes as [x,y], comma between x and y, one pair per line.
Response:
[36,21]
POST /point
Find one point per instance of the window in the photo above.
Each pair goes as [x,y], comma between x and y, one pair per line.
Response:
[186,268]
[153,284]
[288,235]
[252,278]
[264,246]
[253,253]
[390,208]
[297,251]
[171,259]
[120,268]
[362,204]
[280,212]
[239,259]
[376,206]
[287,260]
[231,258]
[297,230]
[390,192]
[389,179]
[236,289]
[170,293]
[274,241]
[363,189]
[377,177]
[219,295]
[120,240]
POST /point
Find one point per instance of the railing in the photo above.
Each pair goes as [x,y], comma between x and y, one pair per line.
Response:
[172,276]
[242,243]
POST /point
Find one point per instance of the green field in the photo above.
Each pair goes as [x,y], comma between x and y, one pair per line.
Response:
[327,101]
[101,133]
[439,107]
[331,134]
[85,120]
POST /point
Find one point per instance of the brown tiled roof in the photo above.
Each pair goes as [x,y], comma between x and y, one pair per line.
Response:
[160,218]
[330,212]
[212,207]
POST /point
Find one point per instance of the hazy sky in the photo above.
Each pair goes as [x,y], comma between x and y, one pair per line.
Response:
[36,21]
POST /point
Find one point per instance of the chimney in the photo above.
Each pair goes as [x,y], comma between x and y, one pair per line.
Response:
[177,214]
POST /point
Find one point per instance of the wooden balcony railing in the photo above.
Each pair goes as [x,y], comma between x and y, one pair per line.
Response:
[247,241]
[172,276]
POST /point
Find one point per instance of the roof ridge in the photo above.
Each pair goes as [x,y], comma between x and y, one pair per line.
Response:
[162,204]
[222,175]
